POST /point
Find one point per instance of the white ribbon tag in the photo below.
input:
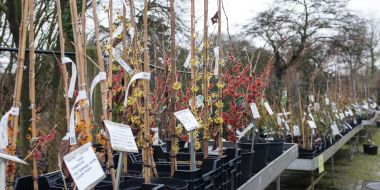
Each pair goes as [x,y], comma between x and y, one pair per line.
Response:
[100,77]
[122,63]
[4,126]
[141,75]
[187,61]
[132,33]
[70,92]
[72,137]
[216,69]
[118,31]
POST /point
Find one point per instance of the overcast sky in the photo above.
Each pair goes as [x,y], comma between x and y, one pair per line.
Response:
[240,11]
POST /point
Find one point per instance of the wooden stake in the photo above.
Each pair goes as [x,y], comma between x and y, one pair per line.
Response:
[146,148]
[103,89]
[80,59]
[18,83]
[205,81]
[32,89]
[220,74]
[193,85]
[110,60]
[173,97]
[65,74]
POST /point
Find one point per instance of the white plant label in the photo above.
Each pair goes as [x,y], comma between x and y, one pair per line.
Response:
[84,167]
[311,98]
[335,130]
[341,116]
[187,119]
[100,77]
[241,134]
[216,69]
[312,124]
[269,109]
[122,138]
[73,78]
[12,158]
[255,111]
[296,131]
[142,76]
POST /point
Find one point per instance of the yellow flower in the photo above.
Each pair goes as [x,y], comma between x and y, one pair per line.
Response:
[138,93]
[218,120]
[194,62]
[220,85]
[176,86]
[219,104]
[194,89]
[214,95]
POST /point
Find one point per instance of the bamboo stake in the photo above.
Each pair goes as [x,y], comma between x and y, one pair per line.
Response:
[110,60]
[32,89]
[18,83]
[205,81]
[125,160]
[173,97]
[220,74]
[65,74]
[84,44]
[147,150]
[80,59]
[103,89]
[193,85]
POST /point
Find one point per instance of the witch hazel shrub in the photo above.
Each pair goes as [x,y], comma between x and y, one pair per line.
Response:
[242,87]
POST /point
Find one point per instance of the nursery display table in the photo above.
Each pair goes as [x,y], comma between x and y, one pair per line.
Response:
[313,164]
[273,170]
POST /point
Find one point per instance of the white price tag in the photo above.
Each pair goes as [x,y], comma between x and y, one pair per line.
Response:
[187,119]
[255,111]
[84,167]
[335,130]
[122,138]
[341,116]
[269,109]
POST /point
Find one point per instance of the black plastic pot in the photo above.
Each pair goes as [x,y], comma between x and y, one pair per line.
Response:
[26,183]
[246,168]
[306,154]
[171,183]
[275,149]
[260,157]
[370,149]
[193,178]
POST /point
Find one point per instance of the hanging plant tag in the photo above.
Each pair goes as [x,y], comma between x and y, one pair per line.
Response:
[269,109]
[335,130]
[321,164]
[255,111]
[122,138]
[311,98]
[312,124]
[187,119]
[84,167]
[341,116]
[296,131]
